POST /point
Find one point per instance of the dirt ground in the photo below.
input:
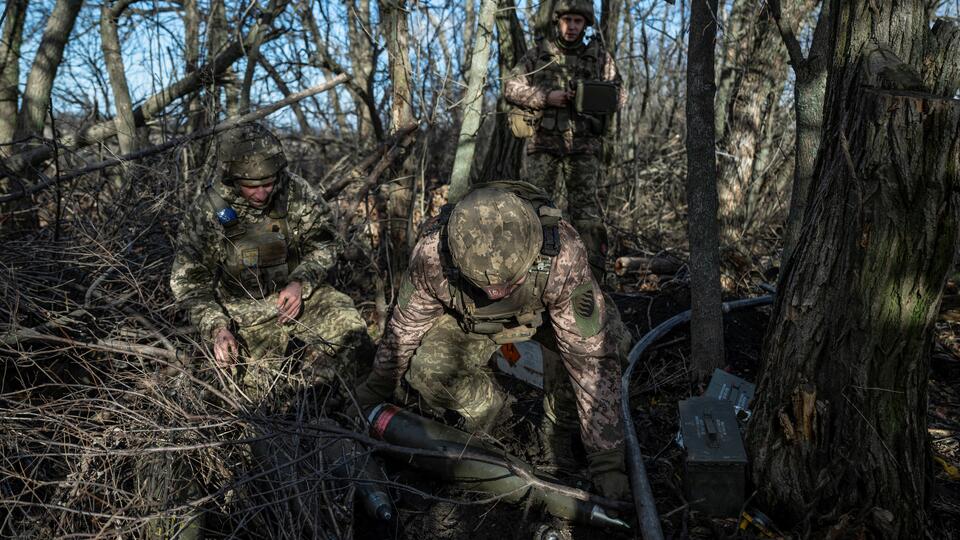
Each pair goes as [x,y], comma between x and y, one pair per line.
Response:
[660,383]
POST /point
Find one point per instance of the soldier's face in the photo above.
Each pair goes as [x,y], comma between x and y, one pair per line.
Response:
[257,196]
[571,26]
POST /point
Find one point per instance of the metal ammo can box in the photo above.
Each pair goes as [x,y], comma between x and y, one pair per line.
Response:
[715,466]
[596,97]
[729,387]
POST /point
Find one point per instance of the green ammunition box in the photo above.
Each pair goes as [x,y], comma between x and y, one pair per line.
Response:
[714,478]
[596,97]
[731,388]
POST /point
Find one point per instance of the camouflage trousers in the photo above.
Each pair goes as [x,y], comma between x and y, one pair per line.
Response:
[580,175]
[451,370]
[330,331]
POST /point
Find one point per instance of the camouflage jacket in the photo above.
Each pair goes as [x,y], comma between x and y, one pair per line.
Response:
[592,362]
[198,265]
[545,68]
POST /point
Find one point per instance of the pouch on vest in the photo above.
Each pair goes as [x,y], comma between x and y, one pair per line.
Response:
[523,123]
[256,264]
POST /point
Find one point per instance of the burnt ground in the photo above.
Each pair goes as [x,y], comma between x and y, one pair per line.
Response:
[660,383]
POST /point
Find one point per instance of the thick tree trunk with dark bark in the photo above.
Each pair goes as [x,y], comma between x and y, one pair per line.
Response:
[839,432]
[706,322]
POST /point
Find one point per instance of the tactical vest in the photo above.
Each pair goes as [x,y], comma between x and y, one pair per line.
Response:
[258,257]
[557,68]
[516,317]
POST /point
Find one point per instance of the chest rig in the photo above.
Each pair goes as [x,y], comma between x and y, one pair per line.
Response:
[516,317]
[559,68]
[258,255]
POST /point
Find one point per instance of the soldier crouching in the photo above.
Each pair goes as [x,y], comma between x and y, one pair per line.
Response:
[252,257]
[493,270]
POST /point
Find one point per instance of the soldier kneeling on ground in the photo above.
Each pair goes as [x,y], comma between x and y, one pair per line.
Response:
[490,271]
[250,270]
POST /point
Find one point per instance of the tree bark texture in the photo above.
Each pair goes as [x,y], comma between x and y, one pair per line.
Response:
[191,58]
[839,432]
[110,43]
[395,197]
[749,113]
[809,91]
[14,14]
[36,95]
[473,102]
[543,25]
[610,13]
[706,319]
[393,14]
[504,155]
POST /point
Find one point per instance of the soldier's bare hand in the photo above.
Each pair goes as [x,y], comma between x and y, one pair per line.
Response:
[289,302]
[224,348]
[558,98]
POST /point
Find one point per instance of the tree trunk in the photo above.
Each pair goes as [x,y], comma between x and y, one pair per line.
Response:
[706,322]
[110,42]
[14,15]
[749,116]
[505,152]
[543,25]
[191,58]
[469,26]
[610,12]
[36,95]
[472,102]
[809,90]
[395,197]
[393,15]
[839,432]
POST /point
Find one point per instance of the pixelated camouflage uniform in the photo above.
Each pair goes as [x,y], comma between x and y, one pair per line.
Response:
[566,146]
[329,324]
[425,340]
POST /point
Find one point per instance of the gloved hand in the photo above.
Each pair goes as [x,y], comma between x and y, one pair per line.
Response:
[609,474]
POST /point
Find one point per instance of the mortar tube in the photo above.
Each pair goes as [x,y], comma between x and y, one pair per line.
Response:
[404,428]
[643,499]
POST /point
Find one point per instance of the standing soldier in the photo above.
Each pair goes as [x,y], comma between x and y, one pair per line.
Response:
[565,92]
[490,271]
[250,270]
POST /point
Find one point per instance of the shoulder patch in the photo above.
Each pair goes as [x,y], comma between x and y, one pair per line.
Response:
[585,310]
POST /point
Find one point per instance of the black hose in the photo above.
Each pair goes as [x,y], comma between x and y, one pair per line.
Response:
[642,494]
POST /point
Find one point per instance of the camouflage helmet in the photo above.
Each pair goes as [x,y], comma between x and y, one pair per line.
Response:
[494,237]
[251,155]
[580,7]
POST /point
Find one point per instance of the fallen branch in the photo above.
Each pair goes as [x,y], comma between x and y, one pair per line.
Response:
[140,154]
